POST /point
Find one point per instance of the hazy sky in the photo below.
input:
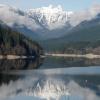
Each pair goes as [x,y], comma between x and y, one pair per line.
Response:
[66,4]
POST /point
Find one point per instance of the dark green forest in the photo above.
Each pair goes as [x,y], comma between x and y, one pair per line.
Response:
[15,43]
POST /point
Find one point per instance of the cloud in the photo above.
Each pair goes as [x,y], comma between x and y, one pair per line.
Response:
[13,16]
[51,18]
[87,14]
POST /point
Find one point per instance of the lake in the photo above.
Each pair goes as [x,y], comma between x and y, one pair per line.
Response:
[54,78]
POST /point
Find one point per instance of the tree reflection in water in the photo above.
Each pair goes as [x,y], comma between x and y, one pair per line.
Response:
[20,64]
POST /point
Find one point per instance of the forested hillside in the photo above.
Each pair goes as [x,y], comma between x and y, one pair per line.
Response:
[85,38]
[14,43]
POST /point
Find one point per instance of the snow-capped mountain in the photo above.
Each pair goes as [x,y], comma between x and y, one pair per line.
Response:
[45,22]
[54,20]
[51,17]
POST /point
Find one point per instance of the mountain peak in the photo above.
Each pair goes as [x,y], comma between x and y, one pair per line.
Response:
[50,8]
[51,17]
[53,8]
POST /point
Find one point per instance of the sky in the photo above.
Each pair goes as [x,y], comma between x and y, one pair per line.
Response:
[71,5]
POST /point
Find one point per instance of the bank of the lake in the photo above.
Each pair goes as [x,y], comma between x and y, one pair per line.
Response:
[89,56]
[11,57]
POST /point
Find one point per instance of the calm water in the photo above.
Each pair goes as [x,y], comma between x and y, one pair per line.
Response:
[55,79]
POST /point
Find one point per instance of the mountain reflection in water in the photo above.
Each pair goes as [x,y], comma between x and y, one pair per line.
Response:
[46,63]
[55,79]
[49,87]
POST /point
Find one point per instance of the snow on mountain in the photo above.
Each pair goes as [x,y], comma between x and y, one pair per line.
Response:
[45,22]
[55,17]
[51,17]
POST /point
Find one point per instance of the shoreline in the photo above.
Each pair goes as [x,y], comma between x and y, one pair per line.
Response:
[11,57]
[89,56]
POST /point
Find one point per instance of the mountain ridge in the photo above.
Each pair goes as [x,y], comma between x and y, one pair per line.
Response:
[51,17]
[41,25]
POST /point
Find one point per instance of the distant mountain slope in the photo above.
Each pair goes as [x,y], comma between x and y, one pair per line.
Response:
[87,31]
[15,43]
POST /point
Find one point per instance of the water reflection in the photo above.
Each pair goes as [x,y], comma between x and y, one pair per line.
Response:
[20,64]
[59,62]
[70,79]
[46,63]
[50,87]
